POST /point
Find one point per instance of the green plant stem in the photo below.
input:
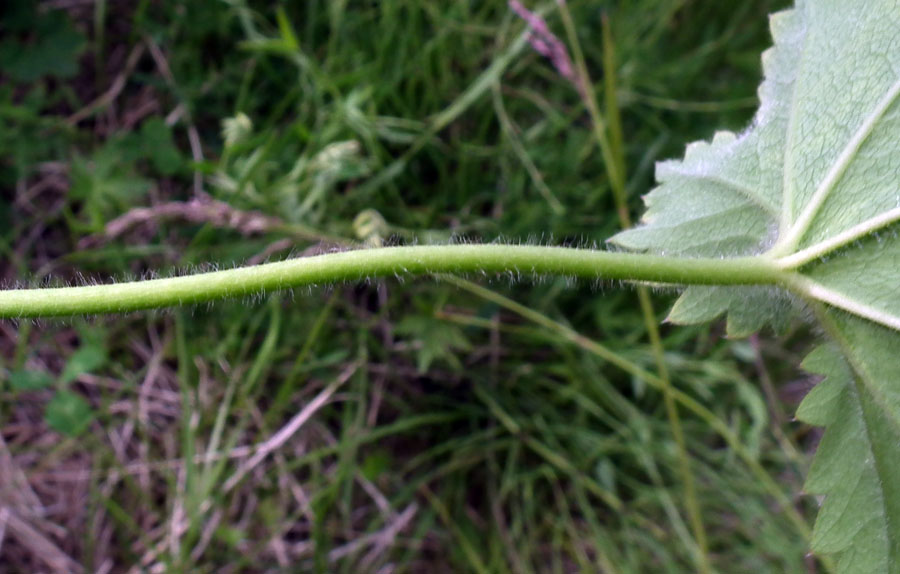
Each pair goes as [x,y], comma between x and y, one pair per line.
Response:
[517,262]
[612,147]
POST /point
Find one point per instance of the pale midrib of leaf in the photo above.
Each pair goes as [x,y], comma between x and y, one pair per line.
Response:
[812,290]
[840,240]
[789,241]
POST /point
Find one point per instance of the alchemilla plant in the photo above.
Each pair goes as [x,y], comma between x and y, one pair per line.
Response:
[799,212]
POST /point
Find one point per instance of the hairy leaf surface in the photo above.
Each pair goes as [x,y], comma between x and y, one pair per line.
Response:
[814,186]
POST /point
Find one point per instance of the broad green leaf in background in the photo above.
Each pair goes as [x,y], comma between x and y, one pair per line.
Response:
[814,185]
[435,340]
[34,46]
[107,183]
[28,380]
[87,359]
[154,142]
[68,413]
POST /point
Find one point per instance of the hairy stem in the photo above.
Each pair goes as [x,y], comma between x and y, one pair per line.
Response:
[612,146]
[522,261]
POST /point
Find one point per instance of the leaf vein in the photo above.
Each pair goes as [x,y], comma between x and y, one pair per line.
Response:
[817,291]
[834,175]
[842,239]
[747,192]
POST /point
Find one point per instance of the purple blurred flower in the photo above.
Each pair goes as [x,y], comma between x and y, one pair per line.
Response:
[547,44]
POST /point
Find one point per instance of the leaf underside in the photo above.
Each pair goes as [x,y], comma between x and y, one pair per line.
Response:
[814,185]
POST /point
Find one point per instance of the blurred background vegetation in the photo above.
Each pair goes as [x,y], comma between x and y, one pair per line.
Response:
[426,426]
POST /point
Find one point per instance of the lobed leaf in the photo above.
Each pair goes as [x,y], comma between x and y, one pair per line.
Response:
[814,186]
[857,464]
